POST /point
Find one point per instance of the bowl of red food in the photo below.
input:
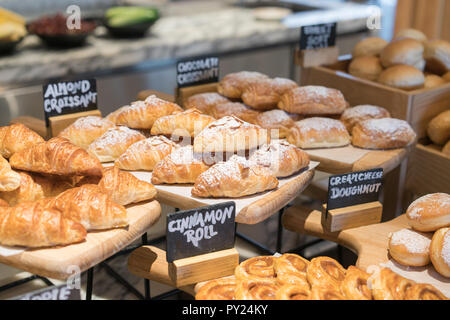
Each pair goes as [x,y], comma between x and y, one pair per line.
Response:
[55,31]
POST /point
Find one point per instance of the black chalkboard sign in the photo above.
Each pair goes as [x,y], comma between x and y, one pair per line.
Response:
[201,230]
[61,292]
[318,36]
[354,188]
[67,97]
[196,71]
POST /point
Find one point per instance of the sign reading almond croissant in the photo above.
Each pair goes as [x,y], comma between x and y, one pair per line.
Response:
[200,230]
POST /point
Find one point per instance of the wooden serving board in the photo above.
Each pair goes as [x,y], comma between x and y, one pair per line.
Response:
[249,210]
[370,243]
[58,262]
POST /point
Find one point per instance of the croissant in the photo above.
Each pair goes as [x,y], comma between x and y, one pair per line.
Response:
[233,84]
[34,187]
[124,188]
[113,143]
[205,102]
[57,156]
[85,130]
[32,224]
[234,178]
[145,154]
[237,109]
[9,179]
[142,114]
[89,206]
[181,166]
[113,115]
[185,124]
[17,137]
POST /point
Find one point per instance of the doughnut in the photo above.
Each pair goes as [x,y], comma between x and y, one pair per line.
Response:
[410,248]
[440,251]
[430,212]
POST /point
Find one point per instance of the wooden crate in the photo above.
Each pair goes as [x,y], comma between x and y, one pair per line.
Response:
[428,171]
[417,107]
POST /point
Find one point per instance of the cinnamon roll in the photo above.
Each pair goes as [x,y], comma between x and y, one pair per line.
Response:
[326,292]
[424,291]
[354,286]
[256,290]
[387,285]
[325,271]
[293,292]
[291,269]
[258,268]
[219,289]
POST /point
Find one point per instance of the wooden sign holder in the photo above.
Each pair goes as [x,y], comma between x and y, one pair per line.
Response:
[59,123]
[181,94]
[316,57]
[352,216]
[150,262]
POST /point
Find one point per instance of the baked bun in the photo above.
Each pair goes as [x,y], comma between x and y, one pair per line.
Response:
[318,132]
[410,248]
[236,109]
[440,251]
[438,129]
[233,84]
[277,121]
[432,80]
[265,94]
[402,77]
[437,56]
[313,100]
[405,51]
[371,46]
[205,102]
[430,212]
[385,133]
[352,116]
[411,34]
[366,67]
[446,76]
[446,149]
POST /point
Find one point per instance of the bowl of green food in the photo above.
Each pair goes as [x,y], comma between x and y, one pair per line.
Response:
[130,21]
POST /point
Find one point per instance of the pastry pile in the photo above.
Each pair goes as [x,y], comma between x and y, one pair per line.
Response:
[53,192]
[308,117]
[292,277]
[428,240]
[410,61]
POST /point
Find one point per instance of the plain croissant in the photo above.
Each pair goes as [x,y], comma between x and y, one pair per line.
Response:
[9,179]
[57,156]
[17,137]
[32,224]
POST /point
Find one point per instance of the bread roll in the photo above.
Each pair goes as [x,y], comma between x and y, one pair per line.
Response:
[352,116]
[402,77]
[405,51]
[411,34]
[318,132]
[446,76]
[438,129]
[371,46]
[410,248]
[313,100]
[429,212]
[446,149]
[432,81]
[440,251]
[366,67]
[385,133]
[437,56]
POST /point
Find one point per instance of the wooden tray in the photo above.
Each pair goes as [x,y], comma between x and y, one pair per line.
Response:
[249,210]
[370,243]
[57,262]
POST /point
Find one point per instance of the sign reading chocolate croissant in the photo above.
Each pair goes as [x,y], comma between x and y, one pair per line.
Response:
[17,137]
[57,156]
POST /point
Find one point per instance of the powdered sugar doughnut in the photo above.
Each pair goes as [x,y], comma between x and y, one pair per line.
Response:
[410,248]
[430,212]
[440,251]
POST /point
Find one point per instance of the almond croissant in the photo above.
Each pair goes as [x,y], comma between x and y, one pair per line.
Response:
[32,224]
[17,137]
[57,156]
[9,179]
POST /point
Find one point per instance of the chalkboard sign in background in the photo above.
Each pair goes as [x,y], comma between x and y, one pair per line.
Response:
[201,230]
[67,97]
[196,71]
[318,36]
[354,188]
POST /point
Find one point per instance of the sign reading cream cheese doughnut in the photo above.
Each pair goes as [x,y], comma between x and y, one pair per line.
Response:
[197,71]
[354,188]
[200,230]
[67,97]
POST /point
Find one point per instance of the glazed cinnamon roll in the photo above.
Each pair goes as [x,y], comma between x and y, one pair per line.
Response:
[219,289]
[387,285]
[326,292]
[291,269]
[258,268]
[325,271]
[256,290]
[354,286]
[293,292]
[424,291]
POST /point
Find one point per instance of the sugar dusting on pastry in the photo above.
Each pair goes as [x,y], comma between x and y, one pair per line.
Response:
[387,126]
[435,200]
[413,241]
[446,248]
[91,122]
